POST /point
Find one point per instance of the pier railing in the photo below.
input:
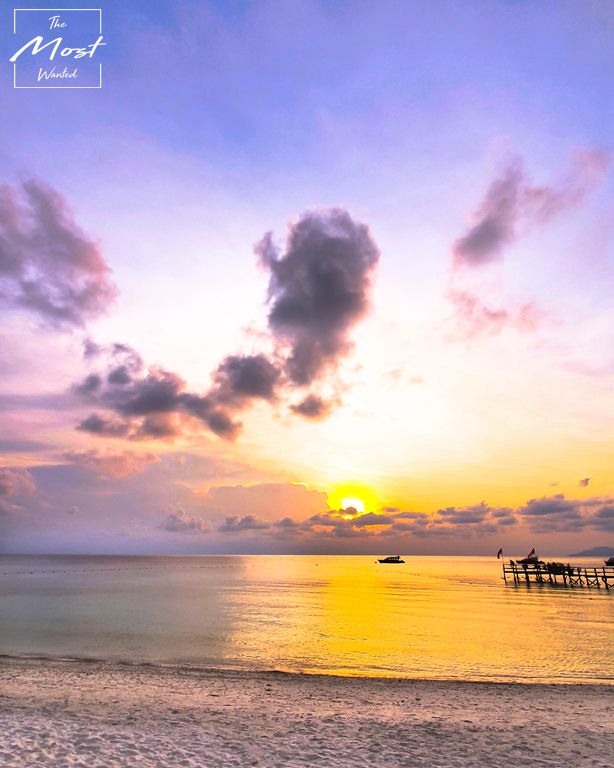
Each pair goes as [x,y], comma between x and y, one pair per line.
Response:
[555,573]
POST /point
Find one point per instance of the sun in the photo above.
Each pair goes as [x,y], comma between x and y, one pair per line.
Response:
[352,494]
[353,501]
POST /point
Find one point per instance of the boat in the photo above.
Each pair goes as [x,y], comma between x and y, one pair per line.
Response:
[392,559]
[531,561]
[558,569]
[610,561]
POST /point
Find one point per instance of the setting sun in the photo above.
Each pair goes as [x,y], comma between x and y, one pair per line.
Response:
[353,501]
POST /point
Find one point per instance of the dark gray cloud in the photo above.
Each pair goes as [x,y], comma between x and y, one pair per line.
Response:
[496,221]
[151,401]
[556,514]
[287,523]
[550,505]
[48,266]
[245,377]
[583,483]
[319,289]
[103,426]
[312,407]
[236,524]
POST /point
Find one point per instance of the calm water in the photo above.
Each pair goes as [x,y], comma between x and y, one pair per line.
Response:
[431,618]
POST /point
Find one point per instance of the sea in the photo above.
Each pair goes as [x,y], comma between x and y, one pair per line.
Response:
[450,618]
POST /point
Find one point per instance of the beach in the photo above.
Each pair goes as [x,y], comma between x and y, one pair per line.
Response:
[93,713]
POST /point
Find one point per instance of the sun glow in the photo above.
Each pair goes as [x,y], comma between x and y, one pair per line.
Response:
[353,501]
[362,498]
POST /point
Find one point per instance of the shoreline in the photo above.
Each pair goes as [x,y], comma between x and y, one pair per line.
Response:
[82,713]
[345,675]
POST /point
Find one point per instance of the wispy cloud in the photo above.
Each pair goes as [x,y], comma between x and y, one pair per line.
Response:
[48,266]
[511,208]
[111,463]
[512,202]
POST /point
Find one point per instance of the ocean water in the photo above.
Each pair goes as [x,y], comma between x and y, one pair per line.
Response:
[434,617]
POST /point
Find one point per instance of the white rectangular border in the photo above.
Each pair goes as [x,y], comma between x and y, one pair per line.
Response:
[51,87]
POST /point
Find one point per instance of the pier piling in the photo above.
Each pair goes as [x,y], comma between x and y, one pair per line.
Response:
[569,575]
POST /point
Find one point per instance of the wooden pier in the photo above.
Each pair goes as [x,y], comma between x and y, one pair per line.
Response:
[556,573]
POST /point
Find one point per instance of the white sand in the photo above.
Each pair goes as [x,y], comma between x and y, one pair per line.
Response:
[96,714]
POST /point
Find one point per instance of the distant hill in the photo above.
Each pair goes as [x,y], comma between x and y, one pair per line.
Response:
[595,552]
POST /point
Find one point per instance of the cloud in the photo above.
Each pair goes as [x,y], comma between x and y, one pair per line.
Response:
[236,524]
[156,426]
[48,266]
[465,522]
[269,501]
[511,200]
[583,483]
[111,463]
[556,514]
[496,221]
[287,523]
[16,482]
[180,522]
[151,401]
[319,289]
[240,378]
[472,317]
[312,407]
[512,206]
[552,505]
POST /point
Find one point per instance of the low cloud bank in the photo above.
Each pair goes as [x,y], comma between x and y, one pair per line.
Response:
[554,514]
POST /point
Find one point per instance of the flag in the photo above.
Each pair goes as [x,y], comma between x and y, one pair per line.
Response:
[499,553]
[531,553]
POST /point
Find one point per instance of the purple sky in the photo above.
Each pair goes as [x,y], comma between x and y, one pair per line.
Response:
[312,277]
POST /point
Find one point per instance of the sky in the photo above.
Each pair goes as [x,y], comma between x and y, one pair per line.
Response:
[310,277]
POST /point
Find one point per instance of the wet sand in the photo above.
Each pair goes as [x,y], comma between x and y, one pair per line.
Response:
[95,714]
